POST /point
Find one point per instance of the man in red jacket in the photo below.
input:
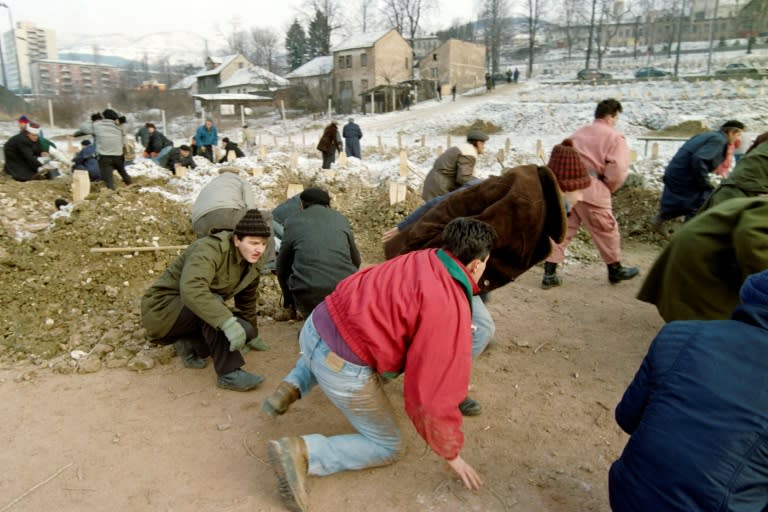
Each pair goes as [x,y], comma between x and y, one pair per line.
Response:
[410,314]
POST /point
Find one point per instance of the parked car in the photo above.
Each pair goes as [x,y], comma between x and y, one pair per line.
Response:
[592,74]
[737,68]
[651,73]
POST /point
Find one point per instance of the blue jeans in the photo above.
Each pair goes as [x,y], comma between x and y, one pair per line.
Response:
[483,327]
[357,392]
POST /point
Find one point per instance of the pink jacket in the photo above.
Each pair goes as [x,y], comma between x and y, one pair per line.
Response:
[606,155]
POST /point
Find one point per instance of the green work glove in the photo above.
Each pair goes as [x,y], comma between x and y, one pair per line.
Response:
[234,333]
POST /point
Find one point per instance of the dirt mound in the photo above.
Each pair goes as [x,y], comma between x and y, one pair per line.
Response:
[484,126]
[684,129]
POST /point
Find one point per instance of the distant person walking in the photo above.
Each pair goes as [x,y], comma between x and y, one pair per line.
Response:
[352,135]
[330,143]
[516,75]
[453,92]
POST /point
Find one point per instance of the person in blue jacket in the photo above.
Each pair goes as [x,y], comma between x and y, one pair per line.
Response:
[686,178]
[85,160]
[697,416]
[206,137]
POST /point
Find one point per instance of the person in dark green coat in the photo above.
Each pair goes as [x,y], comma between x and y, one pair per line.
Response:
[186,305]
[317,251]
[748,179]
[698,274]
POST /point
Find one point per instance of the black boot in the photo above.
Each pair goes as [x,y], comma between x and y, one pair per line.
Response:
[550,278]
[186,351]
[470,407]
[618,273]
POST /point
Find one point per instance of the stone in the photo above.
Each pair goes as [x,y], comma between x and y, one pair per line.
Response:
[90,364]
[141,361]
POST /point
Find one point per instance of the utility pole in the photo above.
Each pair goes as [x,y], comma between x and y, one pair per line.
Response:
[712,37]
[679,37]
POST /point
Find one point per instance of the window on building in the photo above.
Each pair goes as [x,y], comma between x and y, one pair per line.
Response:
[434,56]
[349,61]
[363,85]
[341,62]
[363,60]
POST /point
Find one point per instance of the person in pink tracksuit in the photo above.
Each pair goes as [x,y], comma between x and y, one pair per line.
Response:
[606,155]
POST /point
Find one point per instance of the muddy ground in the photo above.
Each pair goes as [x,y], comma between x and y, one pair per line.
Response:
[127,425]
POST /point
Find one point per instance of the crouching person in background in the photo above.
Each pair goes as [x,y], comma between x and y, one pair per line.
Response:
[185,306]
[411,314]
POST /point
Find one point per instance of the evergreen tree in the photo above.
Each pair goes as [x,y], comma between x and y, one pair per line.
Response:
[319,36]
[296,45]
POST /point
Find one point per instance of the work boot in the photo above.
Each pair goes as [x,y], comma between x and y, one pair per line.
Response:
[279,401]
[618,273]
[239,380]
[469,407]
[550,279]
[289,460]
[188,355]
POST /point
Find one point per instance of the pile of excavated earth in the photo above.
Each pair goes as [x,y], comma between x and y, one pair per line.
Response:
[70,309]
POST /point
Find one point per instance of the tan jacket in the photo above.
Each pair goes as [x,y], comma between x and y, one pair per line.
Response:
[450,171]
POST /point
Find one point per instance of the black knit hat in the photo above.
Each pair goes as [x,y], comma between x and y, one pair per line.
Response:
[110,114]
[315,196]
[565,162]
[252,224]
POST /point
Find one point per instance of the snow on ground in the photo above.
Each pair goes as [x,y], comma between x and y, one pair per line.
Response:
[526,113]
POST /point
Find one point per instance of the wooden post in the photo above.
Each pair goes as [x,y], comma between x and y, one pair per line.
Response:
[231,155]
[399,140]
[539,149]
[403,163]
[373,105]
[655,150]
[381,145]
[632,156]
[290,142]
[257,171]
[293,189]
[81,185]
[282,109]
[242,115]
[343,160]
[181,171]
[165,125]
[50,112]
[423,140]
[507,145]
[329,108]
[439,150]
[294,162]
[397,192]
[263,152]
[448,142]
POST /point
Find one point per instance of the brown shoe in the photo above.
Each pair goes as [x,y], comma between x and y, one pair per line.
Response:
[279,401]
[289,460]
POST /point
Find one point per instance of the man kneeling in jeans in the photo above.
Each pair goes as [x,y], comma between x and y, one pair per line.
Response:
[411,314]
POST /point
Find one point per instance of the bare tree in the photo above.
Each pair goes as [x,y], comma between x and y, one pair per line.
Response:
[534,7]
[406,16]
[237,38]
[570,17]
[365,15]
[264,42]
[609,22]
[494,15]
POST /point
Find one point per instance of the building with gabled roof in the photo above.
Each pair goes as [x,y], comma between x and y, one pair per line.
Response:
[315,77]
[254,80]
[454,62]
[218,70]
[367,60]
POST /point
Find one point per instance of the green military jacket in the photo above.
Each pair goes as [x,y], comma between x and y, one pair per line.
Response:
[209,272]
[699,273]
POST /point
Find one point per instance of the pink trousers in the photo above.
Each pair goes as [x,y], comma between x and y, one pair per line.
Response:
[600,223]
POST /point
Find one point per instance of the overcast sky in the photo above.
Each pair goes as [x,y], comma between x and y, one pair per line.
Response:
[207,18]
